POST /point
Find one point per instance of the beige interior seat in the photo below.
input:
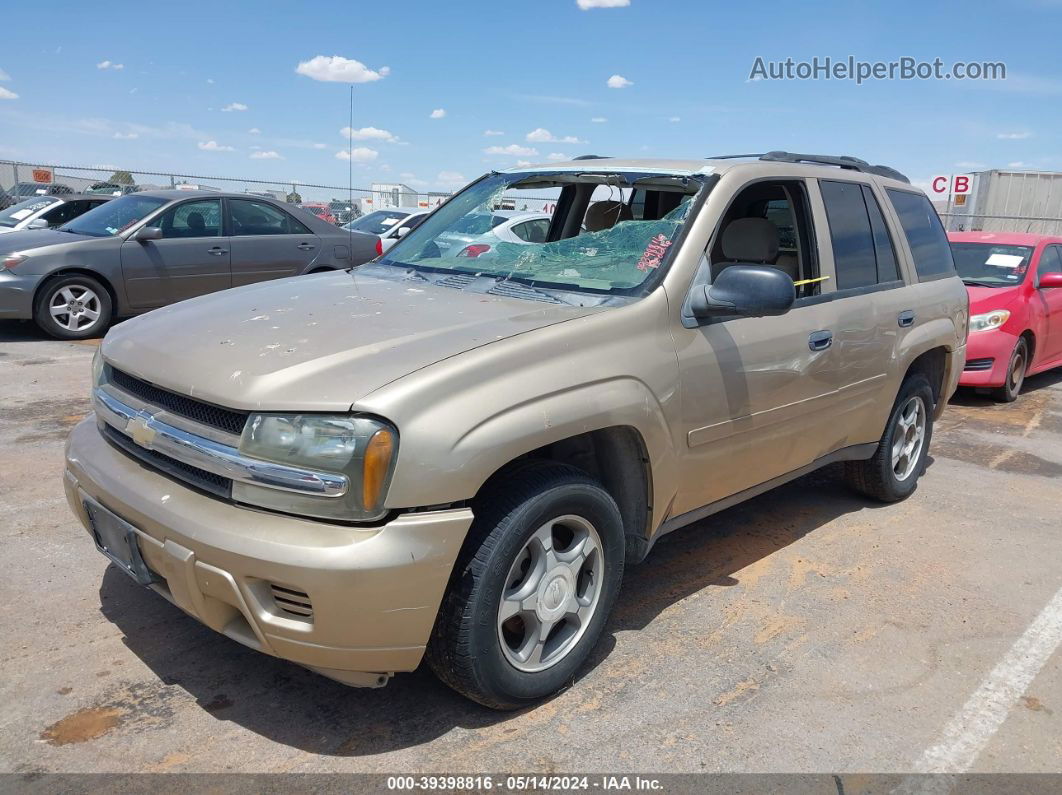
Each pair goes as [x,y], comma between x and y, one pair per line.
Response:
[606,214]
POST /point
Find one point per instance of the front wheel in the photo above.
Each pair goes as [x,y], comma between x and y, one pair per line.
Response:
[1016,368]
[892,473]
[73,307]
[532,589]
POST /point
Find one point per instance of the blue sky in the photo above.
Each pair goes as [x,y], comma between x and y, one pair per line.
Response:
[183,86]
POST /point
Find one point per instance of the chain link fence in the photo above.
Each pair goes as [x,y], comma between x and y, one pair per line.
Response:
[1037,225]
[22,180]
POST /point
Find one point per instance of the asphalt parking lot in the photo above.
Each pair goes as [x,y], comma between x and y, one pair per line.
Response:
[804,631]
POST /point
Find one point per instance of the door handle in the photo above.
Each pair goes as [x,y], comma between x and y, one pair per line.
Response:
[906,318]
[820,340]
[217,251]
[306,246]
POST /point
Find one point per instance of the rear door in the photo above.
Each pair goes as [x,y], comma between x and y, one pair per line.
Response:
[872,308]
[268,242]
[191,259]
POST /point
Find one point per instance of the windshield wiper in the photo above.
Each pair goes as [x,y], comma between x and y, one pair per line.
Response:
[979,283]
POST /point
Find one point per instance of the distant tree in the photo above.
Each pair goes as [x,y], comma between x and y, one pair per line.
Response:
[294,198]
[121,178]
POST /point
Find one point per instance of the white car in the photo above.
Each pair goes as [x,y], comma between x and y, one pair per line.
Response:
[474,234]
[47,212]
[388,225]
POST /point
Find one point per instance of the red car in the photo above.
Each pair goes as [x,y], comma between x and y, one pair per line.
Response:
[1015,286]
[321,210]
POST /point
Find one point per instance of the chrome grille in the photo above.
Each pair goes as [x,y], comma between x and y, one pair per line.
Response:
[193,476]
[223,419]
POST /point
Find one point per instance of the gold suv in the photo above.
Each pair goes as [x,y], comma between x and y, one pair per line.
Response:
[450,453]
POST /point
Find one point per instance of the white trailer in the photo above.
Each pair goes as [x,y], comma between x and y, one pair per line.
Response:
[1009,201]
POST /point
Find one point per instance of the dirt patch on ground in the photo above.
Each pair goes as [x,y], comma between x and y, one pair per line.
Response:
[83,725]
[46,420]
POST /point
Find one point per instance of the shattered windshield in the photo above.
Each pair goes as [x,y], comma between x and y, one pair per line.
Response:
[565,230]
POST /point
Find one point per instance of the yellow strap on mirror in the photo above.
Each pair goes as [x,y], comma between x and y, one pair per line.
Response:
[809,281]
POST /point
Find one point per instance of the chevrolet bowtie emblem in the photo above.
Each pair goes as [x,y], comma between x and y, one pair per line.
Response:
[140,432]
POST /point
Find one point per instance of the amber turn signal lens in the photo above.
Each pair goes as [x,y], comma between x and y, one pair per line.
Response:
[377,463]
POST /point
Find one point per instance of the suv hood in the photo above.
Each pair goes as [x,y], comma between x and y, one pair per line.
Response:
[314,343]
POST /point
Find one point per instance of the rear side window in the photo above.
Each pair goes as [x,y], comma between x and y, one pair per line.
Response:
[888,270]
[853,239]
[259,218]
[925,234]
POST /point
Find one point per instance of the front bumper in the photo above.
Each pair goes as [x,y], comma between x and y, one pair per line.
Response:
[374,591]
[988,357]
[16,295]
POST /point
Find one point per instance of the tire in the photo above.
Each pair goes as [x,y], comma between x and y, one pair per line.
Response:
[86,300]
[1016,369]
[502,664]
[883,476]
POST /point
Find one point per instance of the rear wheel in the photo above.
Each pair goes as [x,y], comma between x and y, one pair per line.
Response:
[893,471]
[1016,368]
[73,307]
[532,589]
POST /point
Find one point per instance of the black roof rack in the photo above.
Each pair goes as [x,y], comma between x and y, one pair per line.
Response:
[841,161]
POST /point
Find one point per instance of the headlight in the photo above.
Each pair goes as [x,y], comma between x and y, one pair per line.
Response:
[362,448]
[989,320]
[97,368]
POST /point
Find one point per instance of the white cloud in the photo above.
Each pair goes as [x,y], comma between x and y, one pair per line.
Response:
[368,133]
[1018,164]
[523,163]
[451,178]
[557,156]
[438,113]
[541,135]
[619,81]
[254,131]
[337,69]
[320,146]
[599,120]
[214,146]
[512,149]
[270,155]
[110,65]
[121,136]
[1013,136]
[586,5]
[4,75]
[359,154]
[493,132]
[210,81]
[237,106]
[5,94]
[674,119]
[970,164]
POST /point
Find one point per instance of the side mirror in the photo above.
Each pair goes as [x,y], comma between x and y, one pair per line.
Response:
[402,232]
[1050,280]
[744,290]
[146,233]
[37,223]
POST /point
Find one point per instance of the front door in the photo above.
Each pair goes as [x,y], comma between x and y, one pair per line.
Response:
[268,243]
[191,259]
[1050,299]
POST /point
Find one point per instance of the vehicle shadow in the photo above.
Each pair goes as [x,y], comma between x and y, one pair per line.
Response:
[27,331]
[966,396]
[292,706]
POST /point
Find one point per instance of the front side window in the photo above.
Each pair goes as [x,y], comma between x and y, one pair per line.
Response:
[114,217]
[924,232]
[192,219]
[259,218]
[616,256]
[1050,261]
[992,265]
